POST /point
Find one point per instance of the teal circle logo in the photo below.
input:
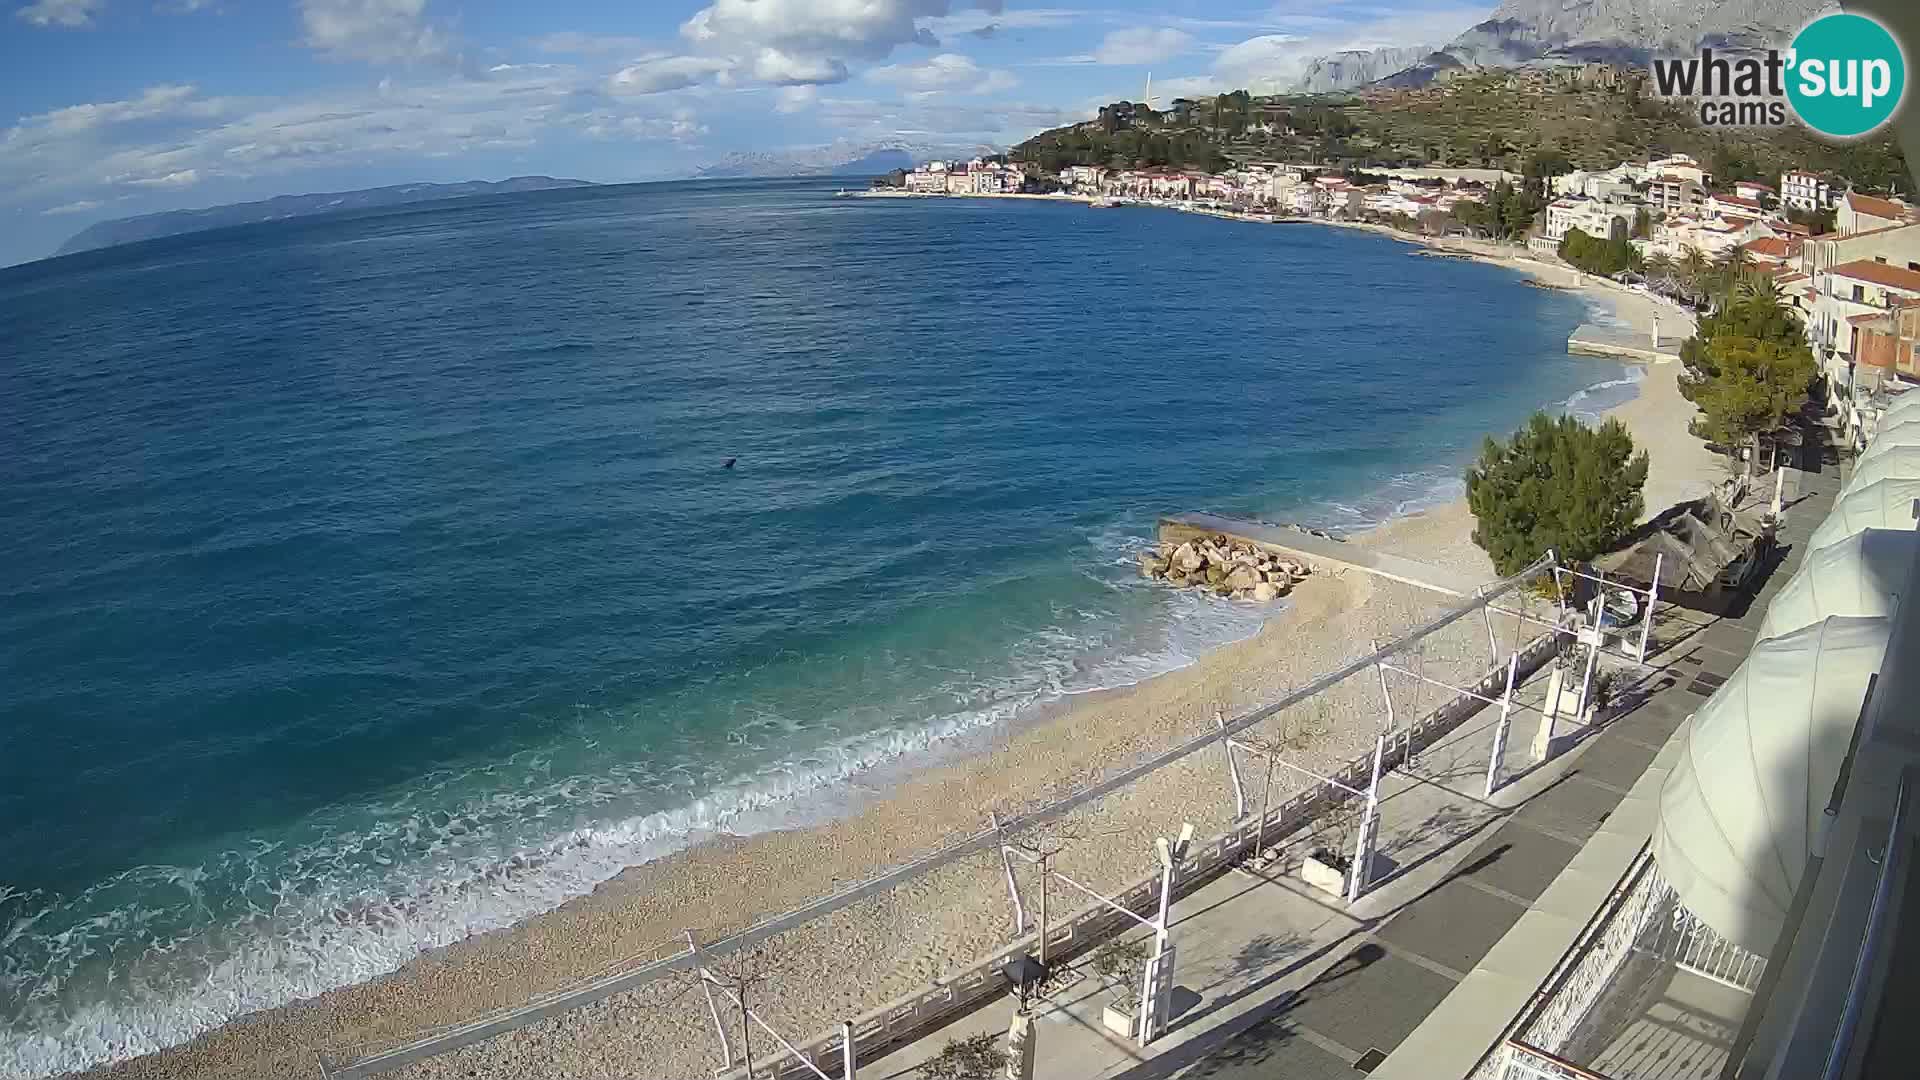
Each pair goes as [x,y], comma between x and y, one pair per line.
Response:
[1846,75]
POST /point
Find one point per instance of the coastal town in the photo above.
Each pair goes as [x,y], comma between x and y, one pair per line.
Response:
[1846,262]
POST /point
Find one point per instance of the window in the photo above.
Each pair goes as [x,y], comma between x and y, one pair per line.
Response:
[1859,294]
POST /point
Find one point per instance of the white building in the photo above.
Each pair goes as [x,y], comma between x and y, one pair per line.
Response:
[1859,213]
[1596,219]
[928,178]
[1673,193]
[1682,166]
[1083,177]
[1804,190]
[1848,275]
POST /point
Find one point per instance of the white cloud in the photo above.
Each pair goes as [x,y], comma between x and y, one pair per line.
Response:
[155,101]
[568,41]
[182,7]
[929,120]
[788,100]
[783,68]
[1142,45]
[665,73]
[1271,61]
[68,13]
[78,206]
[946,72]
[1189,86]
[380,31]
[177,178]
[681,127]
[169,137]
[1262,62]
[802,42]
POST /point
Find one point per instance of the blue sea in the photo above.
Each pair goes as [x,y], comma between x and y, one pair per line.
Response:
[373,581]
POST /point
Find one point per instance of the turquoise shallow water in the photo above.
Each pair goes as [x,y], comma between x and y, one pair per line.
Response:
[375,581]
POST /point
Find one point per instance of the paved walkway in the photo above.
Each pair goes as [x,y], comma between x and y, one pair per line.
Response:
[1275,979]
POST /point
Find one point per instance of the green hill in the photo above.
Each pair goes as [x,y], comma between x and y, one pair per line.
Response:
[1479,121]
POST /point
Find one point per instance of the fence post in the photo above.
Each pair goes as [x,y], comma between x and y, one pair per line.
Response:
[1653,596]
[1006,867]
[713,1010]
[1233,767]
[1499,755]
[847,1054]
[1369,824]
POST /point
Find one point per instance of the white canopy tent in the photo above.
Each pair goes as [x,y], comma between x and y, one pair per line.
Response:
[1885,505]
[1898,462]
[1904,433]
[1745,806]
[1859,576]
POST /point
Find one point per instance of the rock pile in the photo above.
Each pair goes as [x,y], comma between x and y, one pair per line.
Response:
[1227,567]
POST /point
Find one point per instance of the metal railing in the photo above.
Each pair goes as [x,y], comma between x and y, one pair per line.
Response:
[1584,973]
[908,1017]
[362,1060]
[1521,1061]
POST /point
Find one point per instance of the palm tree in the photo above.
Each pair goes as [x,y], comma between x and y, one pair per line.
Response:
[1760,285]
[1660,272]
[1693,274]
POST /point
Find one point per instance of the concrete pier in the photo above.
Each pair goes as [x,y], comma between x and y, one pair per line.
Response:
[1621,343]
[1318,550]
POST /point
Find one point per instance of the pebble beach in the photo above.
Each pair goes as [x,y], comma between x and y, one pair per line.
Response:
[835,968]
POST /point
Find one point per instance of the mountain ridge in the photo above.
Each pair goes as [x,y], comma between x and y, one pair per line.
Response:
[1526,33]
[127,230]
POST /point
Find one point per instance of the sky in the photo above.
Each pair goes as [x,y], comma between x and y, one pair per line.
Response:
[110,108]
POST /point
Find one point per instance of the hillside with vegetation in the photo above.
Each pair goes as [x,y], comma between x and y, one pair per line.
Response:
[1492,120]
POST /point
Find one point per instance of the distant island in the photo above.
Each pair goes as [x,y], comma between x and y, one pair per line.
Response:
[174,222]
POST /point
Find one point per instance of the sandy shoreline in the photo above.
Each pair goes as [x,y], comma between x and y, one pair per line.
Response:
[943,920]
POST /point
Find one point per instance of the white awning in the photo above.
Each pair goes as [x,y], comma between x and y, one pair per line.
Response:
[1745,806]
[1905,432]
[1899,463]
[1885,505]
[1857,576]
[1903,407]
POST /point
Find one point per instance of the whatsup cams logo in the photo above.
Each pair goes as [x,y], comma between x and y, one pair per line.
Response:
[1843,76]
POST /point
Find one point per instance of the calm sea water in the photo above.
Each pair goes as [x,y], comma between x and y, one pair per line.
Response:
[372,582]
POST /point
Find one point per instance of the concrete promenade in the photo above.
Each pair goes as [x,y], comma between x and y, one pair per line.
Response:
[1275,979]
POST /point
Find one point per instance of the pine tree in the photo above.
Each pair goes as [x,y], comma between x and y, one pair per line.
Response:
[1749,387]
[1556,484]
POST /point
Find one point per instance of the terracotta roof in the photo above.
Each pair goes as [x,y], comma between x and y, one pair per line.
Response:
[1735,200]
[1893,277]
[1880,208]
[1755,184]
[1771,246]
[1862,320]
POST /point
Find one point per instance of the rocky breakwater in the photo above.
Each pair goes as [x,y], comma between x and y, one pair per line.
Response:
[1228,567]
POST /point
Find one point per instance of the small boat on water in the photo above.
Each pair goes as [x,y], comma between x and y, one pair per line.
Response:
[1104,204]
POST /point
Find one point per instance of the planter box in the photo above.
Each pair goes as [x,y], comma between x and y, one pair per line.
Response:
[1318,871]
[1117,1020]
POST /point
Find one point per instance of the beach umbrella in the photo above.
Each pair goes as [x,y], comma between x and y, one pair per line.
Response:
[1746,804]
[1859,576]
[1895,463]
[1902,433]
[1884,505]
